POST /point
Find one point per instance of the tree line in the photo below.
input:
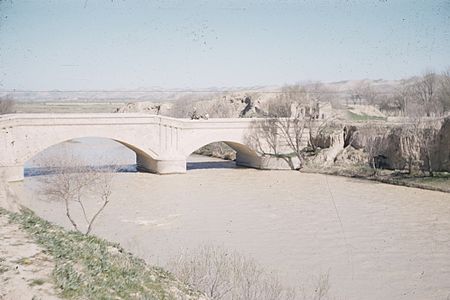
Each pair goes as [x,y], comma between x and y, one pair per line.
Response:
[426,95]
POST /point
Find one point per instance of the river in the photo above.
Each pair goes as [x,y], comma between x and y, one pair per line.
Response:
[375,241]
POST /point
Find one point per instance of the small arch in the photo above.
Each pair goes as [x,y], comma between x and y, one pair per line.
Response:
[245,156]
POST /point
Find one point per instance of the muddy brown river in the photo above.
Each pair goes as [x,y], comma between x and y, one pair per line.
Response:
[375,241]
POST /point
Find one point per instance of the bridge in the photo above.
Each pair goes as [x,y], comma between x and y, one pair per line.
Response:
[161,144]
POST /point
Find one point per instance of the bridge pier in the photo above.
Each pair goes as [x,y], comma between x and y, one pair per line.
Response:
[12,173]
[160,166]
[248,160]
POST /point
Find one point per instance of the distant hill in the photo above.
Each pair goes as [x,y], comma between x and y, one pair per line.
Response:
[155,94]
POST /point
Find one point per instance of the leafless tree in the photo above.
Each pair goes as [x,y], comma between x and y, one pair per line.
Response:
[73,182]
[417,142]
[292,132]
[223,274]
[427,136]
[402,97]
[424,91]
[444,96]
[364,91]
[372,146]
[182,108]
[282,133]
[320,92]
[220,108]
[409,144]
[265,137]
[6,105]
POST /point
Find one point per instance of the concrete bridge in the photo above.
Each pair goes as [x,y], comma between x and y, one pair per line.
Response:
[161,144]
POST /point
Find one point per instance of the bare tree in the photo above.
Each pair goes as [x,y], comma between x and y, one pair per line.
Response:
[424,91]
[292,132]
[263,137]
[293,100]
[409,145]
[320,92]
[426,136]
[364,91]
[220,108]
[182,108]
[290,101]
[444,96]
[6,105]
[223,274]
[417,143]
[73,182]
[372,146]
[402,97]
[282,133]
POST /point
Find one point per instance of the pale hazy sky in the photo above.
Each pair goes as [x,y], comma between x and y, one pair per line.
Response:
[128,44]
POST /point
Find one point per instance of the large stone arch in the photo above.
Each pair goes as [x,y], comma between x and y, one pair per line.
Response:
[32,145]
[43,147]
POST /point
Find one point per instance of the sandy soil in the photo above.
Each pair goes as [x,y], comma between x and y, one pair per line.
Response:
[25,270]
[376,241]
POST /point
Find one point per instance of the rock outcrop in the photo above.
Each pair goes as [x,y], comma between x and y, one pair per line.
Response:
[345,145]
[441,157]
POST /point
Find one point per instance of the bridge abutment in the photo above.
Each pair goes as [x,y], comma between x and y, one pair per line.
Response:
[12,173]
[160,166]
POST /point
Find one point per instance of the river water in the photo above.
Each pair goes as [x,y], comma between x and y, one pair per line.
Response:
[375,241]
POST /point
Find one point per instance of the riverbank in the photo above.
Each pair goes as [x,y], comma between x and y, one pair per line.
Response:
[40,260]
[439,182]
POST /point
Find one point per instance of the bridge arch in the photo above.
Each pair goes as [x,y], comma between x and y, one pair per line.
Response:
[245,155]
[45,146]
[145,156]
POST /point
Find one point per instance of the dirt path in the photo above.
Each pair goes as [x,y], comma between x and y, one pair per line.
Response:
[25,270]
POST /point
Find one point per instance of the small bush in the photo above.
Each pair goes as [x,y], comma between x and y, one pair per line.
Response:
[6,105]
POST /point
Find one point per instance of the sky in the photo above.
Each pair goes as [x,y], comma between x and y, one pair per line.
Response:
[133,44]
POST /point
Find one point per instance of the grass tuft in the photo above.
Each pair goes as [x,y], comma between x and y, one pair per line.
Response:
[35,282]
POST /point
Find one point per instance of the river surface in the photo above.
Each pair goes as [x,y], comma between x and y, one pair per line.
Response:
[375,241]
